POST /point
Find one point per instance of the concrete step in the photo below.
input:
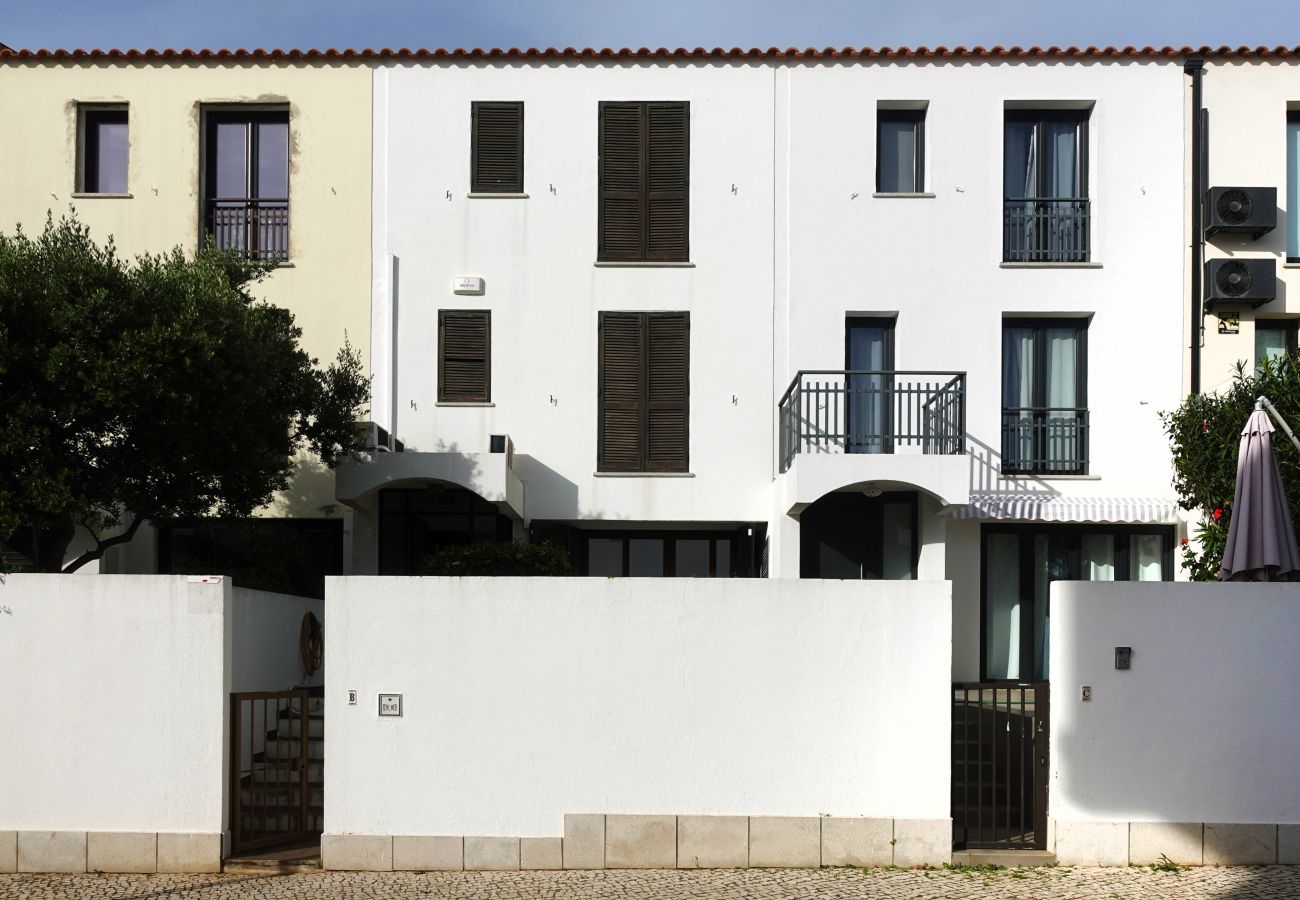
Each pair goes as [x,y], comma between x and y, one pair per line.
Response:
[1009,858]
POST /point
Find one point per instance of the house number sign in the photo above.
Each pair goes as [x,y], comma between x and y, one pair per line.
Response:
[390,704]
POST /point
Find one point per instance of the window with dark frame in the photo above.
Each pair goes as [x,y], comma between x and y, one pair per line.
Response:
[1044,396]
[1274,338]
[900,151]
[103,150]
[660,554]
[496,148]
[464,356]
[644,172]
[246,181]
[1292,202]
[1046,211]
[1019,562]
[644,392]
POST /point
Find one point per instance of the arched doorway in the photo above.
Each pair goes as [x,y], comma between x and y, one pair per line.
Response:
[415,522]
[859,534]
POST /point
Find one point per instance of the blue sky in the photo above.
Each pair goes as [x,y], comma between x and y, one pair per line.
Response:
[654,23]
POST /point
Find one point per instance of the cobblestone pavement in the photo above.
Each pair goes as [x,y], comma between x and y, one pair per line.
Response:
[1240,883]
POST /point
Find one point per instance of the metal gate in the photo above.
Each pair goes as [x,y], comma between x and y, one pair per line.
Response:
[1000,766]
[276,790]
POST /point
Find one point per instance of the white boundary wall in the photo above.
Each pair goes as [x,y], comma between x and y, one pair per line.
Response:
[115,704]
[526,699]
[1195,750]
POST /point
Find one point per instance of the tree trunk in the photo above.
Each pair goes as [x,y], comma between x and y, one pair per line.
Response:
[52,539]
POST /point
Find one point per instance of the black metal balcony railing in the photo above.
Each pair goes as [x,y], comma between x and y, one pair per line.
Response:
[847,411]
[1044,440]
[1046,229]
[257,228]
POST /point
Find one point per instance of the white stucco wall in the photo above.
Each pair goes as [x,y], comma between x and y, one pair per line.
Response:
[525,699]
[264,640]
[1202,728]
[113,703]
[1248,102]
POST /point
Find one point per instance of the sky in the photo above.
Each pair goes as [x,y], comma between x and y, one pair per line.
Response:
[642,23]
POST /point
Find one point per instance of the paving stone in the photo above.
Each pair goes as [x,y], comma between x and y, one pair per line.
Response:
[122,851]
[1059,883]
[640,842]
[428,853]
[857,841]
[491,854]
[712,842]
[785,841]
[541,853]
[51,851]
[1240,845]
[584,841]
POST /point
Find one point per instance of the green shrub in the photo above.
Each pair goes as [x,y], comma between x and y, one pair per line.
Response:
[542,558]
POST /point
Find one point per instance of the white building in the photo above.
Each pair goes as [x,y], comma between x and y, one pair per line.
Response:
[998,238]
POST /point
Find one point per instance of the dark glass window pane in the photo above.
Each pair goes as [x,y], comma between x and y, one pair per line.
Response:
[646,557]
[605,556]
[273,160]
[898,549]
[105,152]
[897,142]
[723,567]
[232,160]
[1020,167]
[693,557]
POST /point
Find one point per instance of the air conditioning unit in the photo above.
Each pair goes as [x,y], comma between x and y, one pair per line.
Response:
[1240,210]
[376,439]
[1252,281]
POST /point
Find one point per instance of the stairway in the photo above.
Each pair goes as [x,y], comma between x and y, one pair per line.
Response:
[271,794]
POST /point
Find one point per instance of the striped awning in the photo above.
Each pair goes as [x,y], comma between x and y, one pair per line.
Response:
[1055,508]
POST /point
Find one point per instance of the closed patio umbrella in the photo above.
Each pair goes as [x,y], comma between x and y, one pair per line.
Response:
[1261,543]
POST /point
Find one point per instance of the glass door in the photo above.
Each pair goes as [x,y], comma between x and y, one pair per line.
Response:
[869,385]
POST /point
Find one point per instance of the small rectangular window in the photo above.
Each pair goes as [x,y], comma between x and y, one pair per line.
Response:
[900,151]
[103,150]
[496,148]
[464,356]
[1274,338]
[1293,186]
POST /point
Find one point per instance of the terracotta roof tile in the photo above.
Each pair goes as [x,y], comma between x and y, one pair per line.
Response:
[698,53]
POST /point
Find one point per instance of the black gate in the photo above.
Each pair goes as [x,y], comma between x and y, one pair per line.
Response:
[277,768]
[999,766]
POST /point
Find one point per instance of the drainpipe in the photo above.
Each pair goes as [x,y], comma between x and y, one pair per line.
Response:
[1196,69]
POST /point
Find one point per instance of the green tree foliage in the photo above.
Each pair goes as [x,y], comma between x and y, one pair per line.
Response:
[1204,436]
[150,389]
[543,558]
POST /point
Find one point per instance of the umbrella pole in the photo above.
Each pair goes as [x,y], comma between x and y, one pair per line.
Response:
[1263,403]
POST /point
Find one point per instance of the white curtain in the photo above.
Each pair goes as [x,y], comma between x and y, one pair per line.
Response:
[1063,434]
[1017,397]
[1002,624]
[1270,343]
[1099,557]
[1144,554]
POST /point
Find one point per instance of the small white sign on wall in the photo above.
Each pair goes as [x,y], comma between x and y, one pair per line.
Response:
[390,704]
[467,284]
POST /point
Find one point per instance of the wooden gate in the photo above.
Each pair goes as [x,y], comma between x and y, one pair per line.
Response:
[1000,766]
[277,759]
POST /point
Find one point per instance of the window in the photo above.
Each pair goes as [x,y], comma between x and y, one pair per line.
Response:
[1044,391]
[847,534]
[496,148]
[415,523]
[1019,564]
[1045,186]
[644,392]
[678,554]
[900,151]
[1274,338]
[464,356]
[868,413]
[246,176]
[1293,186]
[103,150]
[644,182]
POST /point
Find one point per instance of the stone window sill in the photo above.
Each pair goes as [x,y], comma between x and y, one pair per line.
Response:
[489,196]
[1049,265]
[643,474]
[601,264]
[95,196]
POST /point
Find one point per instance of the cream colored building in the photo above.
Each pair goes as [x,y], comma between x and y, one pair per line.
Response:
[305,123]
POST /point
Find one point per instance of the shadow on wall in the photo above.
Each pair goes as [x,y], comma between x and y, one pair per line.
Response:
[547,493]
[986,469]
[310,494]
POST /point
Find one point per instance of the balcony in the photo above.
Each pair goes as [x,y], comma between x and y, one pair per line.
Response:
[1044,441]
[1046,230]
[255,228]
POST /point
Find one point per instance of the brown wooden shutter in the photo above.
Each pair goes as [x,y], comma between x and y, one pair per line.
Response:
[622,197]
[622,388]
[669,388]
[667,189]
[464,356]
[497,148]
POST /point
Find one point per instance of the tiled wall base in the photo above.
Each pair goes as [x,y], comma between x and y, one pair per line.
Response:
[1189,844]
[660,842]
[109,851]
